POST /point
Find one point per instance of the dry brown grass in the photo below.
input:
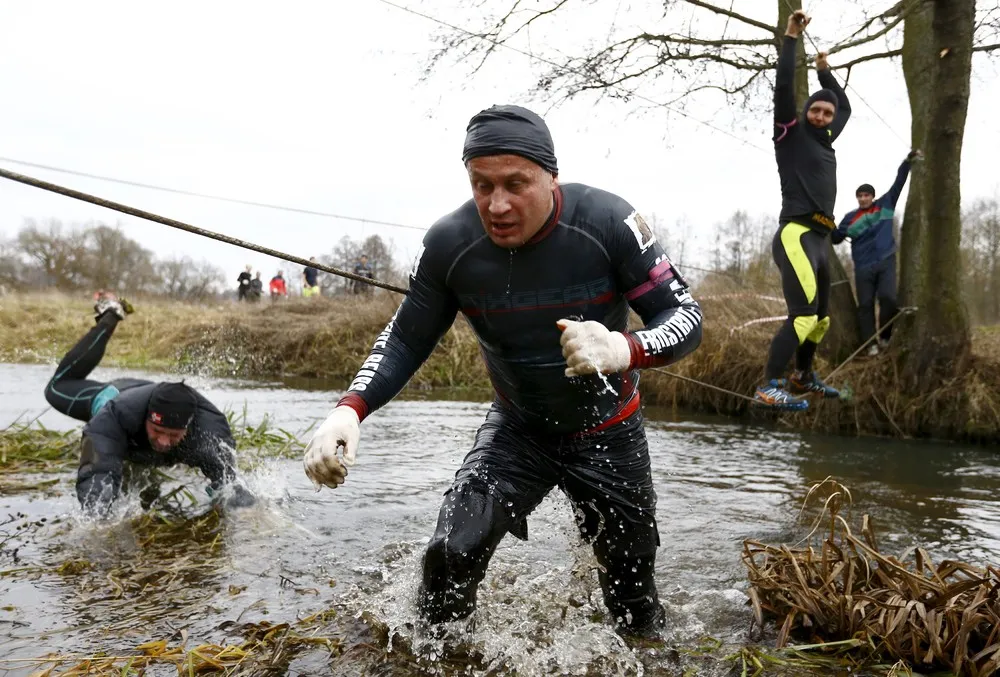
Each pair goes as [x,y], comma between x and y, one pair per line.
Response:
[929,616]
[329,338]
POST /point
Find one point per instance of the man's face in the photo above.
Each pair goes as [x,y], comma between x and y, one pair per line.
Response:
[865,200]
[513,197]
[821,113]
[364,259]
[164,439]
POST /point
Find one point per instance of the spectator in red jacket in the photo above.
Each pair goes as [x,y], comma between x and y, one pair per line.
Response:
[278,288]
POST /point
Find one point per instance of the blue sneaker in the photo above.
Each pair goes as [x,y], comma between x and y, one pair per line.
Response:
[773,394]
[810,384]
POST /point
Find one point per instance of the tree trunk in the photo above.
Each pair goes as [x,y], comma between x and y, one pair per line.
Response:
[845,332]
[936,342]
[918,68]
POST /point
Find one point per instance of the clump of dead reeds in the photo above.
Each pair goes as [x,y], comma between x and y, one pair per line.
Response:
[27,449]
[845,589]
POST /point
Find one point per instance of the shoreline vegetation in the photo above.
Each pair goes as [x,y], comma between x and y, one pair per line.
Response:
[328,339]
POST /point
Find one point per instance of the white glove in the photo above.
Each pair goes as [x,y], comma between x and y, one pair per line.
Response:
[340,429]
[590,347]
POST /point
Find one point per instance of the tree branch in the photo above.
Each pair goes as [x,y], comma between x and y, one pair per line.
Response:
[986,48]
[718,58]
[868,38]
[773,30]
[891,12]
[502,23]
[870,57]
[725,42]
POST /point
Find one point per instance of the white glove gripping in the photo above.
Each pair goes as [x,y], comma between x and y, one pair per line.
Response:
[590,347]
[341,429]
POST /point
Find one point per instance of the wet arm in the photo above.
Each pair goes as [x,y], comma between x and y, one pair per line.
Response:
[212,449]
[661,297]
[829,81]
[785,112]
[892,197]
[423,317]
[102,460]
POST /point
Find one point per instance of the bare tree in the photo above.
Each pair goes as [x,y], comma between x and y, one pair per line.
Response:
[11,267]
[58,257]
[112,260]
[937,63]
[346,254]
[981,260]
[188,280]
[703,46]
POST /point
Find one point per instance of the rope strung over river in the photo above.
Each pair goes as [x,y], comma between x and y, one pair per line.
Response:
[180,225]
[173,223]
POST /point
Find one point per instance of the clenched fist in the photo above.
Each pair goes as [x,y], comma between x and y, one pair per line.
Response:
[341,429]
[590,348]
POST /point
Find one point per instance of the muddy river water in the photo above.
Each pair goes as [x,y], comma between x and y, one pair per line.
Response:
[358,549]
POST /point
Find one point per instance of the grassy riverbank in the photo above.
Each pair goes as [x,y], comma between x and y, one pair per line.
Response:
[329,338]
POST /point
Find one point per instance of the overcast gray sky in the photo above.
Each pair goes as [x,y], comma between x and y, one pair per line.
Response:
[318,105]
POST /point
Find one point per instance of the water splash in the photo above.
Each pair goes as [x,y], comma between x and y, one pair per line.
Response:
[535,616]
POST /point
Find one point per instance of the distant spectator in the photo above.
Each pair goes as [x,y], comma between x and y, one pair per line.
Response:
[244,284]
[256,288]
[309,280]
[277,286]
[363,269]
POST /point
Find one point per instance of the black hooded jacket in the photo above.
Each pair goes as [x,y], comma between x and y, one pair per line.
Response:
[807,163]
[118,434]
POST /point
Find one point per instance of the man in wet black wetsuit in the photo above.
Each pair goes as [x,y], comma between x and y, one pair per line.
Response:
[807,167]
[547,289]
[132,422]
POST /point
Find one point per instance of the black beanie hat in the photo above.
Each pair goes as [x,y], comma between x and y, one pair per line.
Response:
[827,95]
[865,188]
[172,405]
[510,130]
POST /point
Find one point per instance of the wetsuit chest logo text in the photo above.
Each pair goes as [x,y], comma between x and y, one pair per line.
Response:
[594,291]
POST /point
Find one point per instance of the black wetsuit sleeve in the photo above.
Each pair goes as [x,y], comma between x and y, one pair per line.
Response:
[656,292]
[892,197]
[829,81]
[102,459]
[785,110]
[423,317]
[211,449]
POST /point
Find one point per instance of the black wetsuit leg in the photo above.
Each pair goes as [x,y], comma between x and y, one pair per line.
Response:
[807,349]
[607,477]
[507,474]
[70,391]
[503,478]
[801,256]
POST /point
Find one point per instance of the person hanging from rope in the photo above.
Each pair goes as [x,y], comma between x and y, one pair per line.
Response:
[133,424]
[547,289]
[873,250]
[807,168]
